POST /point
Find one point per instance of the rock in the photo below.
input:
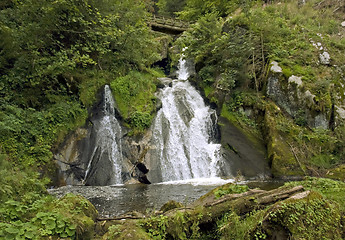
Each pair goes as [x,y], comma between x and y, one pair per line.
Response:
[275,67]
[309,98]
[142,168]
[165,80]
[343,24]
[321,121]
[246,153]
[296,80]
[325,58]
[340,111]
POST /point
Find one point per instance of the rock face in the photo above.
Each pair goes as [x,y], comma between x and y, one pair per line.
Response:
[247,155]
[100,154]
[290,96]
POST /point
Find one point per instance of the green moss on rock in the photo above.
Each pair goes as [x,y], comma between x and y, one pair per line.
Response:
[311,217]
[80,212]
[126,230]
[281,158]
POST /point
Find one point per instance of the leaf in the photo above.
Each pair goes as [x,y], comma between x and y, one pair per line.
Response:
[12,230]
[50,224]
[29,234]
[70,232]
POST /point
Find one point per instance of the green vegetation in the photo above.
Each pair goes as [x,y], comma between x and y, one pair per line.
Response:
[36,217]
[230,189]
[135,99]
[55,56]
[316,212]
[311,218]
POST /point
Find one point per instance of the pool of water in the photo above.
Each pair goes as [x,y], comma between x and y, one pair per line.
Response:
[112,201]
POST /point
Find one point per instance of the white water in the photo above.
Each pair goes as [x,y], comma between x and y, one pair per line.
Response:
[182,72]
[107,148]
[182,133]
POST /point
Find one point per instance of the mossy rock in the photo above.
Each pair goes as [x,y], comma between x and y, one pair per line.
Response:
[80,212]
[128,230]
[281,158]
[171,205]
[309,217]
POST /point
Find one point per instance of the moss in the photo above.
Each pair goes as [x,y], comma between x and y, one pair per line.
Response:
[171,205]
[230,188]
[311,217]
[126,230]
[81,213]
[232,226]
[282,160]
[330,189]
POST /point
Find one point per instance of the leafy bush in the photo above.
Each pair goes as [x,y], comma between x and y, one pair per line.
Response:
[40,217]
[134,96]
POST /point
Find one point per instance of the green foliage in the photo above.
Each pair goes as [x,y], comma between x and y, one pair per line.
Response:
[36,218]
[54,57]
[169,8]
[181,226]
[230,189]
[232,226]
[156,227]
[18,183]
[197,8]
[134,96]
[27,135]
[330,189]
[320,217]
[234,50]
[291,217]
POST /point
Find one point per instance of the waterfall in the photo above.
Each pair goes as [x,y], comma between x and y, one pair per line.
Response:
[105,157]
[182,72]
[182,133]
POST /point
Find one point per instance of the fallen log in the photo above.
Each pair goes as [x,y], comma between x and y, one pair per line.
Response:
[206,214]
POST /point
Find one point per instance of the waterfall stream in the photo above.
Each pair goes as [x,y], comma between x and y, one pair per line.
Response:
[105,157]
[182,132]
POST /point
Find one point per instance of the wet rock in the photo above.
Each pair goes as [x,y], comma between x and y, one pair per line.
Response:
[321,121]
[288,94]
[165,81]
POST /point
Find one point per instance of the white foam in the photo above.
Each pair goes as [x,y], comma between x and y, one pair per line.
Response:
[199,181]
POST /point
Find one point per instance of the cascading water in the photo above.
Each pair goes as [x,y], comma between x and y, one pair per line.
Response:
[104,163]
[182,133]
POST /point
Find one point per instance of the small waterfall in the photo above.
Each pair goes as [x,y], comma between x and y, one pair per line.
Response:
[105,157]
[182,72]
[183,133]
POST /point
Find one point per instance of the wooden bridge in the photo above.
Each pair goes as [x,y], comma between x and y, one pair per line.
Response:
[168,25]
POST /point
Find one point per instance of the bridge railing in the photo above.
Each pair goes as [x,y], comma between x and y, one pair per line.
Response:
[169,21]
